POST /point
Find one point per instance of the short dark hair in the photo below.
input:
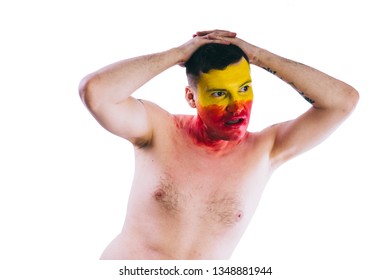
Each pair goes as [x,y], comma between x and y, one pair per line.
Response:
[212,56]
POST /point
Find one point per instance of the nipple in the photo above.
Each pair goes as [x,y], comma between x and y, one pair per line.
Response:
[239,216]
[159,194]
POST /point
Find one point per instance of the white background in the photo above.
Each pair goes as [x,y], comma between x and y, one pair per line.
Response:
[64,180]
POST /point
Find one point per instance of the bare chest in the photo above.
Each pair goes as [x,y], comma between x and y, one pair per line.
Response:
[184,184]
[209,199]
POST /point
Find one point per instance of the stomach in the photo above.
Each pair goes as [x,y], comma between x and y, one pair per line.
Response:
[171,216]
[182,236]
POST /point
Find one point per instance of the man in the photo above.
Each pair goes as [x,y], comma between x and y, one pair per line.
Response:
[198,179]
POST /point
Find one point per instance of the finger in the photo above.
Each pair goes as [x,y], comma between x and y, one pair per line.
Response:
[215,39]
[217,33]
[223,33]
[222,42]
[213,31]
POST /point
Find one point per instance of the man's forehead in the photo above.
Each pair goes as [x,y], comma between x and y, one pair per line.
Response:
[236,73]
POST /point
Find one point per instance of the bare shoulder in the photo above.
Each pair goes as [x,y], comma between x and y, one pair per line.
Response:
[155,112]
[263,140]
[159,120]
[275,145]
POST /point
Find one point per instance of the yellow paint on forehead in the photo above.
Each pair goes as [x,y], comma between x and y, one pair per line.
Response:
[230,80]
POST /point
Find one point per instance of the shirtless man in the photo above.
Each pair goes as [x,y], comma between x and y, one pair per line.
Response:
[198,179]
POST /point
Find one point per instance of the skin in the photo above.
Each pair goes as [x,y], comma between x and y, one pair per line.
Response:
[224,101]
[198,179]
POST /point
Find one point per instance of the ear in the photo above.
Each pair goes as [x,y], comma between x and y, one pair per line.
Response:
[190,97]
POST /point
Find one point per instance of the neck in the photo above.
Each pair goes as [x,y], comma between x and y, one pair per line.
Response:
[205,139]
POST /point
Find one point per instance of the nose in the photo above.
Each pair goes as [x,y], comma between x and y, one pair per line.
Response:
[235,107]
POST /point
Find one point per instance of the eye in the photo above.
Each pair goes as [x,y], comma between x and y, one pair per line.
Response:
[218,94]
[244,88]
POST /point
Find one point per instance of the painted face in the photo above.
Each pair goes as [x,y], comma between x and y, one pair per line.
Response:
[224,101]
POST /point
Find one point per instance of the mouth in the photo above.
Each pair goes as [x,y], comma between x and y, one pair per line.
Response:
[235,122]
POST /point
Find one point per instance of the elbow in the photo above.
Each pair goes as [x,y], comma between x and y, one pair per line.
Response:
[83,88]
[344,100]
[351,99]
[87,92]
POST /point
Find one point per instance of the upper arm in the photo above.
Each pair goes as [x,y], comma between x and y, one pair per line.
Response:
[296,136]
[129,119]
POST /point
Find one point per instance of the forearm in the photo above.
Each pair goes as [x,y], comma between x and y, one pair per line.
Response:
[318,88]
[116,82]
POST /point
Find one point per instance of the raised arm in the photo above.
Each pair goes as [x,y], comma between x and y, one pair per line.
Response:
[107,92]
[332,101]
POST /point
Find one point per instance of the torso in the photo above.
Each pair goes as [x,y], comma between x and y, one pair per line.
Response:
[187,202]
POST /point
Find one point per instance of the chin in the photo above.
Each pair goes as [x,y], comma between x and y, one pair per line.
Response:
[234,136]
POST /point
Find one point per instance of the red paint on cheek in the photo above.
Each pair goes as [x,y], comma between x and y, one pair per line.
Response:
[213,113]
[216,119]
[216,113]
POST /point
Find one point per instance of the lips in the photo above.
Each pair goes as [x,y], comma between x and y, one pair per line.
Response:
[235,121]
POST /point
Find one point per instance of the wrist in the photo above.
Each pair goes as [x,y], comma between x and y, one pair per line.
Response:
[172,56]
[259,57]
[176,55]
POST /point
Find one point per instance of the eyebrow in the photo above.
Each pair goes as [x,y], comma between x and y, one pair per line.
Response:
[247,82]
[223,89]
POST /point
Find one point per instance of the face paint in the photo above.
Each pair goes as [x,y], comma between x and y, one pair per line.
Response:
[224,101]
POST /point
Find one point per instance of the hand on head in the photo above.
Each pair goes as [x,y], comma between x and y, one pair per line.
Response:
[216,36]
[201,38]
